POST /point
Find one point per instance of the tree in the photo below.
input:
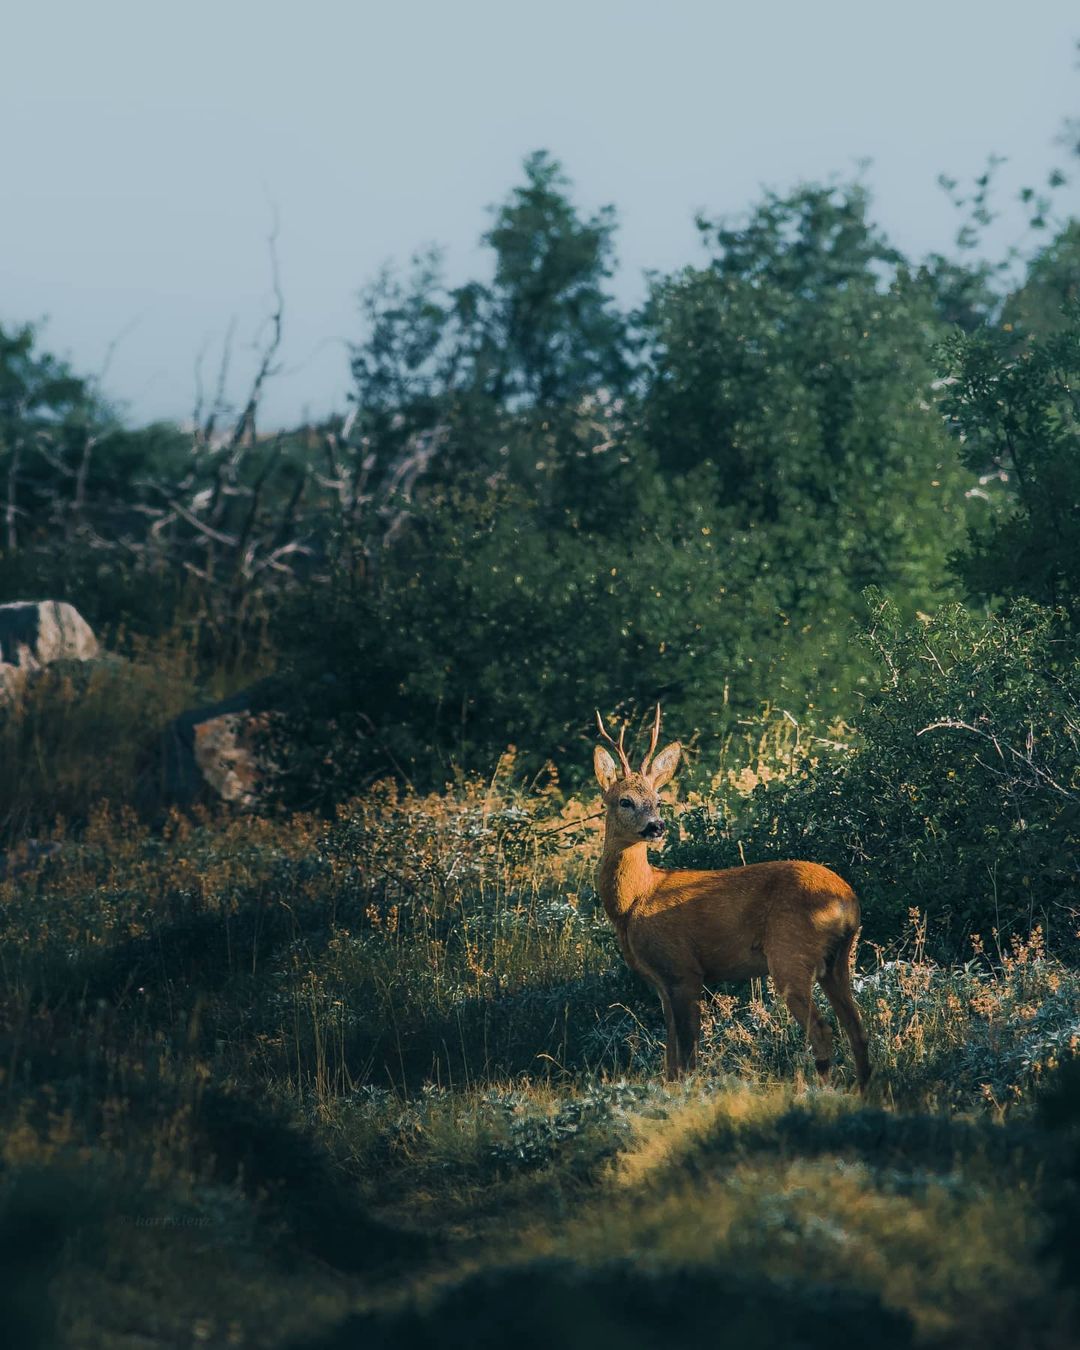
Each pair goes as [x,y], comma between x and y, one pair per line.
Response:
[794,370]
[1015,411]
[1039,306]
[547,310]
[492,624]
[500,367]
[44,408]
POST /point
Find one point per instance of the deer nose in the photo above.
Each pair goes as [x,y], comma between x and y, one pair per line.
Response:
[654,829]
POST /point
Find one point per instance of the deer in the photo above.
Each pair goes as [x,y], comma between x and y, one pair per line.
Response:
[681,928]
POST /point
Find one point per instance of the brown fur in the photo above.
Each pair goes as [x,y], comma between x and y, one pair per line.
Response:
[681,929]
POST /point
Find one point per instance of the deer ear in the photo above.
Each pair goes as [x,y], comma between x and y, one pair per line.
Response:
[606,773]
[663,766]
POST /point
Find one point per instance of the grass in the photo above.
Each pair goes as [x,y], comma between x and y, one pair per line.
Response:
[386,1080]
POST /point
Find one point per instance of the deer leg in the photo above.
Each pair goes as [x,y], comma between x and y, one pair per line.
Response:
[671,1050]
[686,1009]
[836,982]
[796,991]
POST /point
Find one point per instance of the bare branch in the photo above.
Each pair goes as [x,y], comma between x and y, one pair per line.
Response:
[245,425]
[219,405]
[1006,753]
[206,530]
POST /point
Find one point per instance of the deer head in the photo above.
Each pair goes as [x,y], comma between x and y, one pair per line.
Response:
[633,798]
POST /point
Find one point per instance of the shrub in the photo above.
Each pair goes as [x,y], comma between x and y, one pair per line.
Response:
[962,798]
[1017,418]
[86,732]
[494,623]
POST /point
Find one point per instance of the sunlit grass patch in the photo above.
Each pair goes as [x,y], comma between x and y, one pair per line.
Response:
[789,1186]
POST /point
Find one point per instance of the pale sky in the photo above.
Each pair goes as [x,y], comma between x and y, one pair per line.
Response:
[147,145]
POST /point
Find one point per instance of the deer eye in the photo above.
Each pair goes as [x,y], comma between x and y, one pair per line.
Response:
[626,801]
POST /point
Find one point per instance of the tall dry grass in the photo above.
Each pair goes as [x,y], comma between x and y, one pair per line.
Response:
[400,1046]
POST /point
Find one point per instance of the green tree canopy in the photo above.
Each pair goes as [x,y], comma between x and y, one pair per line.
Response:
[498,366]
[794,369]
[1016,414]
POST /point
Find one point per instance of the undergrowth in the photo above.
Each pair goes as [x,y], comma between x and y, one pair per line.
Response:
[270,1081]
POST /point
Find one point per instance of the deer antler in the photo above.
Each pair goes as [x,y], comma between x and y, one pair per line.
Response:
[652,744]
[617,746]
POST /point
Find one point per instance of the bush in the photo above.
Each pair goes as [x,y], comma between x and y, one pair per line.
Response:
[962,799]
[493,624]
[86,732]
[1017,420]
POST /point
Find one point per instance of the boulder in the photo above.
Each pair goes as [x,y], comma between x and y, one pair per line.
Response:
[35,634]
[221,752]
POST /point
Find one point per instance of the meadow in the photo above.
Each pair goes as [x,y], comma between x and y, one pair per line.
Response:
[384,1079]
[364,1066]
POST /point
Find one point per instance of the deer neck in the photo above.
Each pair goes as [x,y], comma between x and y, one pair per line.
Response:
[623,878]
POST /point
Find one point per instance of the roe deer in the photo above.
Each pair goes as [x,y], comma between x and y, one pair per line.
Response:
[680,928]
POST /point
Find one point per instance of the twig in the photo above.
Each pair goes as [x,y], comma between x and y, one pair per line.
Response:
[568,826]
[245,425]
[953,724]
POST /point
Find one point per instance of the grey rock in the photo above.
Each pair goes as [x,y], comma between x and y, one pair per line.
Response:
[35,634]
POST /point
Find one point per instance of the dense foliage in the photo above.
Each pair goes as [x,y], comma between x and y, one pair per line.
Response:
[1016,409]
[961,801]
[699,529]
[540,504]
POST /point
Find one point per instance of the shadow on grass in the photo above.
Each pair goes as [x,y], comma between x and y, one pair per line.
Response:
[1059,1113]
[298,1181]
[222,960]
[539,1306]
[880,1138]
[40,1213]
[206,950]
[543,1030]
[298,1194]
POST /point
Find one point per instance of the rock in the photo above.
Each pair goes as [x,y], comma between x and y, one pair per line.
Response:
[226,752]
[221,752]
[35,634]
